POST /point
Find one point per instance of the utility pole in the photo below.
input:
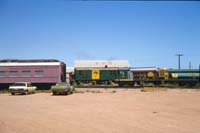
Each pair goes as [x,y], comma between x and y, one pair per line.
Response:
[199,74]
[179,60]
[190,65]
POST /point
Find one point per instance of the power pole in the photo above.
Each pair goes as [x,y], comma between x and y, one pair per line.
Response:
[199,74]
[179,60]
[190,65]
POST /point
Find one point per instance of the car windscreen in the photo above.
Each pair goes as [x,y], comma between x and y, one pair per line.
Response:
[19,84]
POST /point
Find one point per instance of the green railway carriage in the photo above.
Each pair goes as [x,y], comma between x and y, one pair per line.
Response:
[183,77]
[100,75]
[83,74]
[183,73]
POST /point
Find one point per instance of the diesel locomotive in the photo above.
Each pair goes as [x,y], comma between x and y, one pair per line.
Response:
[100,76]
[136,77]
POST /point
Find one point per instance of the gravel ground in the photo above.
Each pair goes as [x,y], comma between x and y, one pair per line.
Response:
[102,110]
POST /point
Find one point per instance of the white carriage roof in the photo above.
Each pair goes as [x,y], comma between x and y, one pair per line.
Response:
[101,63]
[34,62]
[28,60]
[144,69]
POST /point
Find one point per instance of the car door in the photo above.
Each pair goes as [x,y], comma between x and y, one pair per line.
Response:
[30,87]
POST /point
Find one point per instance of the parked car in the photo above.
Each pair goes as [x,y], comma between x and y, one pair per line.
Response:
[22,88]
[62,88]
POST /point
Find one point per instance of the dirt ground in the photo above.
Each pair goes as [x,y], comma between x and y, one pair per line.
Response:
[102,110]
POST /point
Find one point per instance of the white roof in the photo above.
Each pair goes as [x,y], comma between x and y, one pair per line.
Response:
[29,63]
[101,63]
[144,69]
[69,69]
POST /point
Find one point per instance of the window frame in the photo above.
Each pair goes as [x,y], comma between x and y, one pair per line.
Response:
[26,74]
[2,73]
[13,72]
[39,73]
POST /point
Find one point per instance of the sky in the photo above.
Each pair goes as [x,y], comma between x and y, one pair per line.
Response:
[144,33]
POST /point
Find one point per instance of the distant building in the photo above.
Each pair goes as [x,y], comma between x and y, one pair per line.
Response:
[101,63]
[69,73]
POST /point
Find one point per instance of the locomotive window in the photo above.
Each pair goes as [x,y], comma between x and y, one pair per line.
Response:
[13,73]
[26,73]
[39,73]
[2,73]
[122,73]
[112,73]
[81,72]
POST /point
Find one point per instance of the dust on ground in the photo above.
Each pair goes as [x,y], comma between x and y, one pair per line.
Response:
[102,110]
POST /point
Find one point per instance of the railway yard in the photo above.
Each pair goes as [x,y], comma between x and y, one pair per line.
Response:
[103,110]
[140,101]
[99,66]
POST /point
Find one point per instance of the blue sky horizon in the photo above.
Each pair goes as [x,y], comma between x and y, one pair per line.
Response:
[144,33]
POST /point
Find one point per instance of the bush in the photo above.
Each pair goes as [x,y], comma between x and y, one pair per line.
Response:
[75,91]
[152,89]
[114,91]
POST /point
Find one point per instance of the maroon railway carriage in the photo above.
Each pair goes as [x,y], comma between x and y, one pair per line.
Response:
[43,72]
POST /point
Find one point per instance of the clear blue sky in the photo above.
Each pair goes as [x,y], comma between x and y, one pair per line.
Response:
[145,33]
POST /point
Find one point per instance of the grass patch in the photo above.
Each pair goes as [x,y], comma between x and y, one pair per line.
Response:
[114,91]
[43,91]
[152,89]
[78,91]
[96,91]
[88,91]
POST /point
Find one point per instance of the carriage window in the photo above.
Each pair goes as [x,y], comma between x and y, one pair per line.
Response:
[2,73]
[39,73]
[13,73]
[26,73]
[122,73]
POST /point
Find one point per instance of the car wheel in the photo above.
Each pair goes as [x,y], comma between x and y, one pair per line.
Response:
[12,93]
[26,93]
[33,92]
[54,93]
[69,92]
